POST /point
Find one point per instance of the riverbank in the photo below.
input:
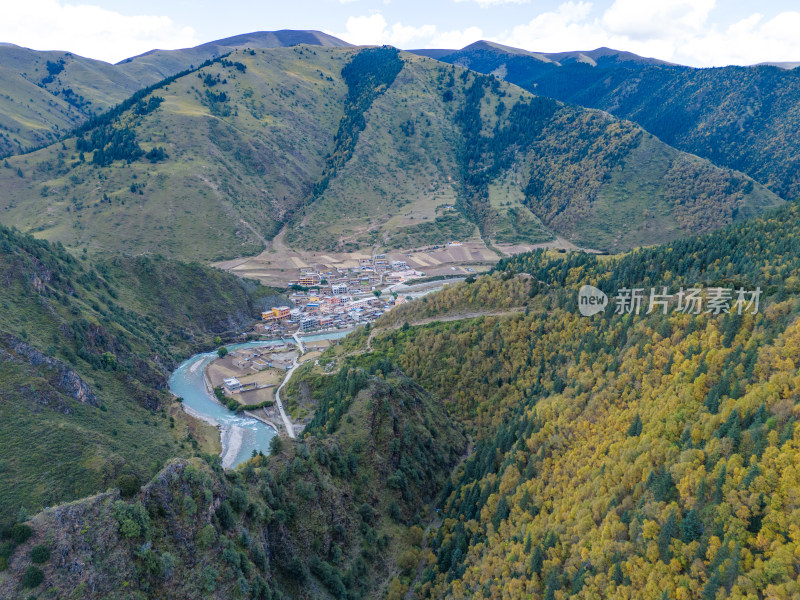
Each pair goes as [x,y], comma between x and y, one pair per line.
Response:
[262,419]
[232,438]
[230,435]
[240,434]
[198,415]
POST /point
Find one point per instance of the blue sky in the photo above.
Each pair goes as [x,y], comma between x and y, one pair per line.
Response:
[695,32]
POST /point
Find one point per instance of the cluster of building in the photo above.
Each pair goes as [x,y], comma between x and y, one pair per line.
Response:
[313,312]
[371,273]
[233,386]
[339,298]
[257,359]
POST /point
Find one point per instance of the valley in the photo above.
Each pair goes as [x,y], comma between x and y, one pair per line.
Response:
[286,317]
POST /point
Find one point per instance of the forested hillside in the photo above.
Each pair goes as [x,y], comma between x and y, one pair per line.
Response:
[358,148]
[616,456]
[619,456]
[333,516]
[744,118]
[484,441]
[85,350]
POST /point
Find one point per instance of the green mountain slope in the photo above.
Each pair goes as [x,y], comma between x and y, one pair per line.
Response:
[45,94]
[359,148]
[85,351]
[160,64]
[329,517]
[744,118]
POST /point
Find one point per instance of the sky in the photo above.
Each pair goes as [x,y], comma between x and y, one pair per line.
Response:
[700,33]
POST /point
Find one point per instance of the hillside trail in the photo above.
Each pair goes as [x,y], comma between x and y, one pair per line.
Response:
[256,233]
[444,318]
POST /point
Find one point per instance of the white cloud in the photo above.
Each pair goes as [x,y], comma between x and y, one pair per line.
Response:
[681,31]
[89,30]
[364,30]
[749,41]
[456,38]
[656,20]
[401,35]
[566,28]
[487,3]
[374,30]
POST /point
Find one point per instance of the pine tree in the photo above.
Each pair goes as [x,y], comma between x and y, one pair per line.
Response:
[552,584]
[537,560]
[578,579]
[501,513]
[668,531]
[635,429]
[710,588]
[617,575]
[691,527]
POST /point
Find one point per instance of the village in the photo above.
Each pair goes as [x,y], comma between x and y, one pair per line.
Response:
[340,298]
[327,302]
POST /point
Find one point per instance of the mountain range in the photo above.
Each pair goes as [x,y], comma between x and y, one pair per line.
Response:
[353,148]
[484,441]
[740,117]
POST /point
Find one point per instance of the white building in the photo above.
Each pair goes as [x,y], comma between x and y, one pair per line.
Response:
[232,384]
[356,304]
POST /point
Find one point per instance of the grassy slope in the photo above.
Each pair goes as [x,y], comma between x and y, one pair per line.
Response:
[592,184]
[36,109]
[255,163]
[237,169]
[394,179]
[119,326]
[30,116]
[163,63]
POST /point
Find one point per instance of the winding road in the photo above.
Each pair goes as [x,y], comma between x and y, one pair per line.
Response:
[286,421]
